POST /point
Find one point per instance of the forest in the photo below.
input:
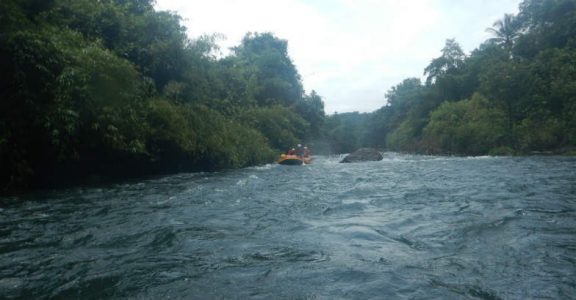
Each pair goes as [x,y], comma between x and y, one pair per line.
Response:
[110,89]
[113,89]
[515,94]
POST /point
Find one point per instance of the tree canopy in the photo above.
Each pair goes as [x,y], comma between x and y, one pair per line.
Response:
[114,88]
[515,93]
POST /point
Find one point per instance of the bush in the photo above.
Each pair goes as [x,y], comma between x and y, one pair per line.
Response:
[282,127]
[469,127]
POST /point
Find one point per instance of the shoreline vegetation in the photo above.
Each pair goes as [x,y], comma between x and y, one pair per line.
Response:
[513,95]
[114,89]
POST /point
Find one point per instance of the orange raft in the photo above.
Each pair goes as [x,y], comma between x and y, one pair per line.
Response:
[293,160]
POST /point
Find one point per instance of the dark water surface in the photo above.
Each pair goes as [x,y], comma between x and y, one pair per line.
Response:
[408,227]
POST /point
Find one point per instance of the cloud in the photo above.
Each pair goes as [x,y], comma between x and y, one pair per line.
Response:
[351,52]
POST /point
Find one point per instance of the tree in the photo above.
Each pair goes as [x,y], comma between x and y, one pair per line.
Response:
[530,99]
[450,61]
[113,88]
[266,60]
[471,127]
[281,126]
[505,32]
[546,24]
[508,85]
[345,131]
[311,109]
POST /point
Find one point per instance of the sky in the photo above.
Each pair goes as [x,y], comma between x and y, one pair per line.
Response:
[351,52]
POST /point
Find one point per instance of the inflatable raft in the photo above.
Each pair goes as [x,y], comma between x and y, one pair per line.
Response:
[293,160]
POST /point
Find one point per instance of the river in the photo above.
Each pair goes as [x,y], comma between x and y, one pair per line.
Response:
[407,227]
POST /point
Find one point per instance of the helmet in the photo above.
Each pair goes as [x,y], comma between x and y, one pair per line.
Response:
[299,145]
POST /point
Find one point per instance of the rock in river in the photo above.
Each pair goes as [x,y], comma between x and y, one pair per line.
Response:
[363,154]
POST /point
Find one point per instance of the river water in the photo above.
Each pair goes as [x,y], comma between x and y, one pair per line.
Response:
[407,227]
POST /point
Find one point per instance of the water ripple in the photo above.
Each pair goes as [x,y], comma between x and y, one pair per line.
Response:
[409,227]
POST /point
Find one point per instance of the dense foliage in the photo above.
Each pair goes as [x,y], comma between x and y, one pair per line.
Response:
[115,88]
[98,89]
[515,93]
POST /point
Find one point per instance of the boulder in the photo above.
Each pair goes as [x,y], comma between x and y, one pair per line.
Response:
[363,154]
